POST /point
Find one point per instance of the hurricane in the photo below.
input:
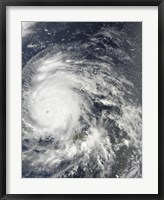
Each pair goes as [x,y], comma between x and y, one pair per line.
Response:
[82,100]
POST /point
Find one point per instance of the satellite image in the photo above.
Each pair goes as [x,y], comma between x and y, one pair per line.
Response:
[81,100]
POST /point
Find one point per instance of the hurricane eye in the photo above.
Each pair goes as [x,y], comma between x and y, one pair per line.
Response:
[81,100]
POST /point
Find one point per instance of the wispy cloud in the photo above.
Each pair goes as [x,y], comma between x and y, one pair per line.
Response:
[27,28]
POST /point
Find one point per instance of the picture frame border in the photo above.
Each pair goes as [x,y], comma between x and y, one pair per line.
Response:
[3,57]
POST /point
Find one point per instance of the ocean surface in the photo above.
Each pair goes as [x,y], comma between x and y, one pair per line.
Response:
[81,100]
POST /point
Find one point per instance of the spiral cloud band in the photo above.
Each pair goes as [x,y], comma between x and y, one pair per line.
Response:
[79,116]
